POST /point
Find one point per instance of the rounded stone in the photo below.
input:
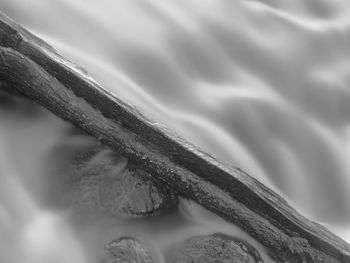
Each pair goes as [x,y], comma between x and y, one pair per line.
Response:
[127,250]
[98,179]
[213,248]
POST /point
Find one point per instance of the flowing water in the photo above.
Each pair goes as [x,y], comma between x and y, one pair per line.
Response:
[264,85]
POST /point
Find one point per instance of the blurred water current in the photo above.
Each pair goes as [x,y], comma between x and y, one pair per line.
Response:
[263,85]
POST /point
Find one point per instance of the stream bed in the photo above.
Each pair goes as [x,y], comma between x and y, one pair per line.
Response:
[263,85]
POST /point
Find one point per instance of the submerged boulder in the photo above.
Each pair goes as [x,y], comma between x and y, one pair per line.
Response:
[213,249]
[127,250]
[98,179]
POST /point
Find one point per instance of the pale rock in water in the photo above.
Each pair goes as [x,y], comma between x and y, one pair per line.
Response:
[212,249]
[99,180]
[127,250]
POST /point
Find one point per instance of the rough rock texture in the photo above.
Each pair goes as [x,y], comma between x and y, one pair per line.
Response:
[100,180]
[127,250]
[213,249]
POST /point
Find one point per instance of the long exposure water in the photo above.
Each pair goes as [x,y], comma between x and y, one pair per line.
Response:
[263,85]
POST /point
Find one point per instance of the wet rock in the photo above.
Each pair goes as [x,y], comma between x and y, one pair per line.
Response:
[100,180]
[127,250]
[213,249]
